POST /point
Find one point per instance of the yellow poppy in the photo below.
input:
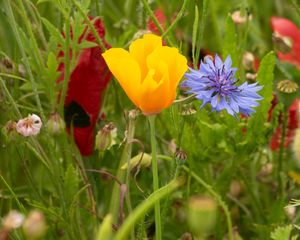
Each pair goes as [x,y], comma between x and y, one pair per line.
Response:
[149,73]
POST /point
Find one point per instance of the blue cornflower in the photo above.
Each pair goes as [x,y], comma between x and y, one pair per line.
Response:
[215,83]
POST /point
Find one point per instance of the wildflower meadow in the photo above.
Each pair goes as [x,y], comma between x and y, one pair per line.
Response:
[150,119]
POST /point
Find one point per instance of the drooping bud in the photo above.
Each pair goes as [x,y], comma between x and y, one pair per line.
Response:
[34,225]
[180,157]
[105,138]
[287,91]
[55,124]
[133,114]
[201,215]
[142,159]
[12,220]
[238,18]
[9,130]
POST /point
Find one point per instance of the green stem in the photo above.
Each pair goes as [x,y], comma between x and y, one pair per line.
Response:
[155,177]
[282,148]
[126,155]
[145,206]
[217,197]
[26,60]
[91,26]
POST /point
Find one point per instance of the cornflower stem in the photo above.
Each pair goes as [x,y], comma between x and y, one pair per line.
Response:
[216,196]
[151,119]
[281,149]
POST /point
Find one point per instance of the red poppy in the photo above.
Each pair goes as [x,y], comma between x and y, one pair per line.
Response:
[284,28]
[85,89]
[159,14]
[292,125]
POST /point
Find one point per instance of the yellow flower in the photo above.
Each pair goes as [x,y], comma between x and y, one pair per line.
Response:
[149,73]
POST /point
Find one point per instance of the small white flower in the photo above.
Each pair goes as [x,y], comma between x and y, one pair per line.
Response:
[29,126]
[13,220]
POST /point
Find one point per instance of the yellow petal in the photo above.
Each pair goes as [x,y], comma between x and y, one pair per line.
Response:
[177,66]
[155,92]
[141,48]
[126,70]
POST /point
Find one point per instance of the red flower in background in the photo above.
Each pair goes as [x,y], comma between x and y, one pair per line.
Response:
[292,125]
[284,28]
[85,89]
[159,14]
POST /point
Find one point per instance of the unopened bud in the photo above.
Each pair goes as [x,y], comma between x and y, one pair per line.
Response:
[251,76]
[12,220]
[186,236]
[296,145]
[34,225]
[235,188]
[105,138]
[290,211]
[9,130]
[133,114]
[142,159]
[238,18]
[248,60]
[180,157]
[7,63]
[282,43]
[265,170]
[172,146]
[201,215]
[55,124]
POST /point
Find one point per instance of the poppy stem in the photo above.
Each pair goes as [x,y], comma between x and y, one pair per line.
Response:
[155,177]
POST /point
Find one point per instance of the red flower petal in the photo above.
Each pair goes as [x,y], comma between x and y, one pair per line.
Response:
[286,28]
[159,14]
[86,86]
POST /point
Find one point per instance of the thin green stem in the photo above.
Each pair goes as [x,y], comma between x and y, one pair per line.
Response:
[91,26]
[178,17]
[67,65]
[216,196]
[282,148]
[156,22]
[26,61]
[155,177]
[126,155]
[144,207]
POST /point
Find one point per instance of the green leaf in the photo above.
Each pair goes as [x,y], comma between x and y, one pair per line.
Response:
[71,183]
[87,44]
[265,78]
[54,32]
[230,42]
[281,233]
[194,38]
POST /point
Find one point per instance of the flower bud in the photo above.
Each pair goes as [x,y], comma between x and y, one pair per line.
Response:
[142,159]
[7,63]
[55,124]
[9,130]
[172,147]
[235,188]
[105,138]
[251,76]
[248,60]
[290,211]
[186,236]
[238,18]
[265,170]
[296,145]
[12,220]
[34,225]
[201,215]
[180,157]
